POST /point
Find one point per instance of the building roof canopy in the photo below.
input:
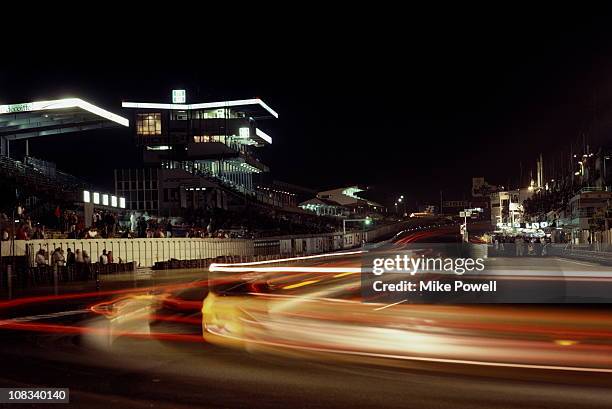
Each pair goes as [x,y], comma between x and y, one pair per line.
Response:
[32,119]
[255,107]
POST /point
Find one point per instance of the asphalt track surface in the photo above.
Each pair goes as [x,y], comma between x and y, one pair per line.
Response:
[138,342]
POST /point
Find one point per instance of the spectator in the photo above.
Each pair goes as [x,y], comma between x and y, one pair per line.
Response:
[132,222]
[103,257]
[57,258]
[58,215]
[86,271]
[21,233]
[520,246]
[78,256]
[70,257]
[41,258]
[109,257]
[39,233]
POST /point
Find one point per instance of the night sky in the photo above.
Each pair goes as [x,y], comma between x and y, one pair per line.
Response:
[413,107]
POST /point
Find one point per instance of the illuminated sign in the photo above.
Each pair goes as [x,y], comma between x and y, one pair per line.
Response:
[18,108]
[179,96]
[107,200]
[541,225]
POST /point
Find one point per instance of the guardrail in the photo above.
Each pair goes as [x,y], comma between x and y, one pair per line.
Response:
[597,253]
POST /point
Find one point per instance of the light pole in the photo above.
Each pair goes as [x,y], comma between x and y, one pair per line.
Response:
[465,213]
[398,202]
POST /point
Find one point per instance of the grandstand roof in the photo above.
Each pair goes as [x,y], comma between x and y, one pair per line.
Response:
[254,106]
[32,119]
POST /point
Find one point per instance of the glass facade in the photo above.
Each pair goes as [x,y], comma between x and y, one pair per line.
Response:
[139,187]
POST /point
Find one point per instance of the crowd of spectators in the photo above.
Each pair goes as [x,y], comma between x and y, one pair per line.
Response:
[520,245]
[254,222]
[71,258]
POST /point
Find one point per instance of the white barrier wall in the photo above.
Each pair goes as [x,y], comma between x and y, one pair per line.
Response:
[5,248]
[146,252]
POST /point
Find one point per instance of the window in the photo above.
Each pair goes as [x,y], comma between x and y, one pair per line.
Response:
[180,115]
[148,124]
[201,138]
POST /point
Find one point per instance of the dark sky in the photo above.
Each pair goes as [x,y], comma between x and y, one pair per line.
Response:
[410,105]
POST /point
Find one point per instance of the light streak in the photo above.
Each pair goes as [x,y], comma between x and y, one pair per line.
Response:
[302,284]
[389,305]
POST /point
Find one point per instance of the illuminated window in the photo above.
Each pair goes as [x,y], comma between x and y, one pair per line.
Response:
[86,196]
[179,96]
[159,148]
[148,124]
[207,138]
[244,132]
[201,138]
[180,115]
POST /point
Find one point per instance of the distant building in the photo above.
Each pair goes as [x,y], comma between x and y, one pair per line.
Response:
[342,202]
[588,210]
[325,207]
[507,206]
[198,155]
